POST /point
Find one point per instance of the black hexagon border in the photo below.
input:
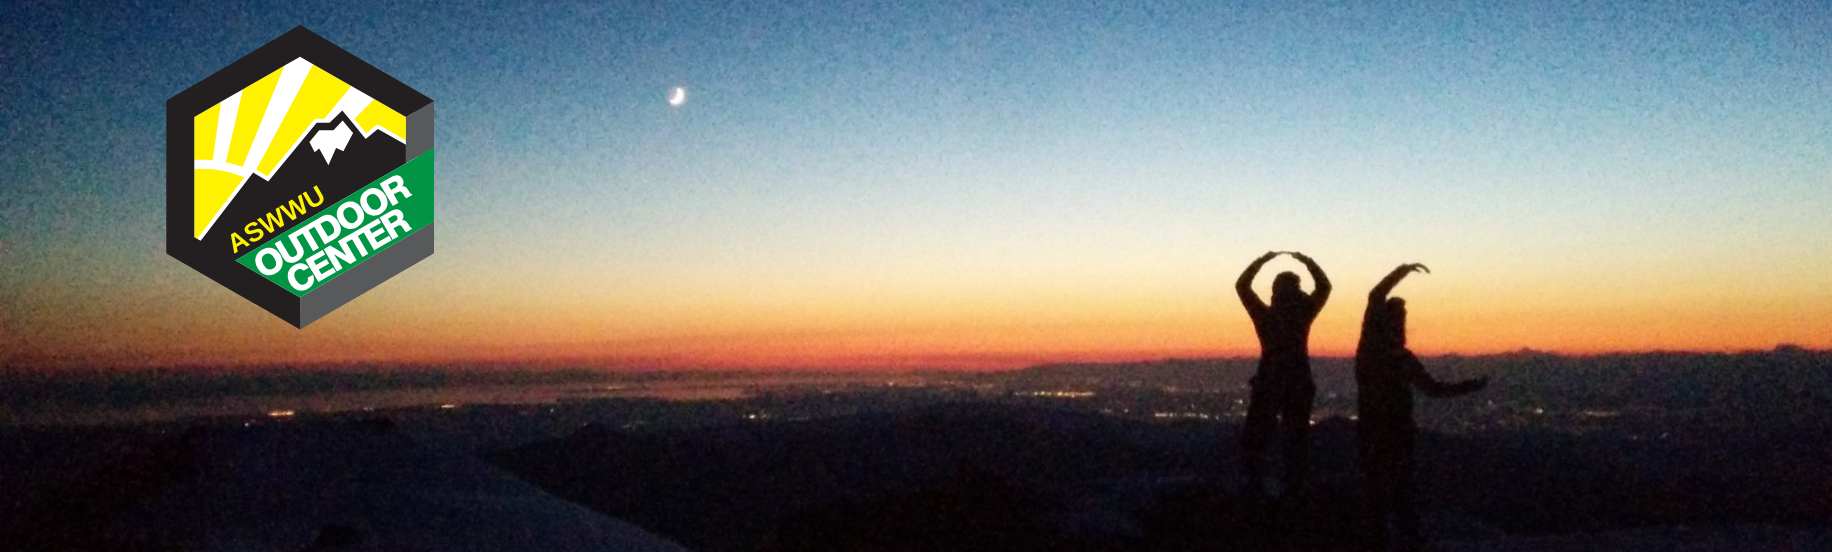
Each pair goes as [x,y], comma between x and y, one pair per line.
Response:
[182,108]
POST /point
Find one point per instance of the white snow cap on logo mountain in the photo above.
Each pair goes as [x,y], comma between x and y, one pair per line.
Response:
[329,141]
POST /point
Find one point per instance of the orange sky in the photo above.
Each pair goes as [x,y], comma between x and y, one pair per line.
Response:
[181,318]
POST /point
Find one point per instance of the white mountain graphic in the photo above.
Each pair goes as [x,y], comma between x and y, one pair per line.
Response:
[332,140]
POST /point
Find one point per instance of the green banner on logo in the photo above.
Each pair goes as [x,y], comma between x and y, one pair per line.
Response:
[350,231]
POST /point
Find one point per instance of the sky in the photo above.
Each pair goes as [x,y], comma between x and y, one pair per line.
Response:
[966,184]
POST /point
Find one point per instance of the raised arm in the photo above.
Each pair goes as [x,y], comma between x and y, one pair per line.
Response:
[1244,286]
[1430,386]
[1379,294]
[1321,294]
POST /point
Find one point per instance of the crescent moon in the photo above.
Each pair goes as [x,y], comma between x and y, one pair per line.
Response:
[677,97]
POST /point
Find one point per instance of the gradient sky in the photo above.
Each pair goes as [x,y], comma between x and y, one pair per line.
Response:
[967,184]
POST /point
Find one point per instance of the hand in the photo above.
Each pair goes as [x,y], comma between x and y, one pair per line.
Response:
[1269,255]
[1412,267]
[1299,256]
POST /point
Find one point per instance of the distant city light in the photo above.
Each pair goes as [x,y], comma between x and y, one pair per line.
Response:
[1057,394]
[1183,415]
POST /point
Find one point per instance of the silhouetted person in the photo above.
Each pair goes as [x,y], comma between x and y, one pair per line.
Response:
[1385,373]
[1282,391]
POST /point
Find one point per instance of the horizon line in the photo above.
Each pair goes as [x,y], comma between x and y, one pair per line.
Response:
[905,365]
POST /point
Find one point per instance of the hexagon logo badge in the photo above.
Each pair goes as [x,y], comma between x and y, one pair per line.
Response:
[299,177]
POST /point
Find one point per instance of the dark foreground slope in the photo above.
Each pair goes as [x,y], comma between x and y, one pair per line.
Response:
[301,486]
[731,487]
[978,476]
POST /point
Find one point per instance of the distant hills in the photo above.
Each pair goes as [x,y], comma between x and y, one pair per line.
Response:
[1786,381]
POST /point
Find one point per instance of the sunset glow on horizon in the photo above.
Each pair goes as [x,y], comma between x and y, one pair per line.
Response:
[982,187]
[960,331]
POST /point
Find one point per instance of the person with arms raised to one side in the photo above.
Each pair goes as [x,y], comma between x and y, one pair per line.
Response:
[1385,374]
[1282,391]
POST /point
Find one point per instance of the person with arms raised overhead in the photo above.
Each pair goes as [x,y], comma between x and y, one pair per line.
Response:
[1385,373]
[1282,390]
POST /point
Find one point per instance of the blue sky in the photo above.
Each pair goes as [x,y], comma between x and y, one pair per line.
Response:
[881,168]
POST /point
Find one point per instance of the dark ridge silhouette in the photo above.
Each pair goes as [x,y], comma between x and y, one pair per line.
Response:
[1283,392]
[729,488]
[1385,374]
[1019,472]
[362,160]
[981,511]
[1142,486]
[65,518]
[1209,517]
